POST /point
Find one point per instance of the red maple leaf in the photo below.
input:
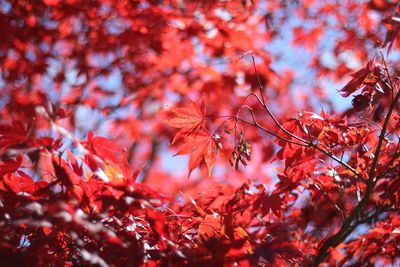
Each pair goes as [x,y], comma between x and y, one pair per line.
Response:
[269,203]
[106,148]
[201,146]
[187,119]
[358,80]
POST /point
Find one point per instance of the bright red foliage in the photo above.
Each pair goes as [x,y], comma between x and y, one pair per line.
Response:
[96,96]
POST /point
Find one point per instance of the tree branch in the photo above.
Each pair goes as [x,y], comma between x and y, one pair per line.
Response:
[347,224]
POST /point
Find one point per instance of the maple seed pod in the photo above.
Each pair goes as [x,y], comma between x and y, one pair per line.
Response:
[237,164]
[220,146]
[247,151]
[234,155]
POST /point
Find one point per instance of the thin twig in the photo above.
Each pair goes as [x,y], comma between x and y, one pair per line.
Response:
[271,133]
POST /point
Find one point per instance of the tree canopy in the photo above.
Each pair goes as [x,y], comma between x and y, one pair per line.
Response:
[199,133]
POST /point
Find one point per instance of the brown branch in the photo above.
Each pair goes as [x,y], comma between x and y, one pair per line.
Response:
[269,132]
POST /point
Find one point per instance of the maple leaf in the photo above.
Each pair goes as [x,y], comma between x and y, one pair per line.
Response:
[64,173]
[201,147]
[10,165]
[269,203]
[22,184]
[392,25]
[210,226]
[114,173]
[106,148]
[357,81]
[11,135]
[187,119]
